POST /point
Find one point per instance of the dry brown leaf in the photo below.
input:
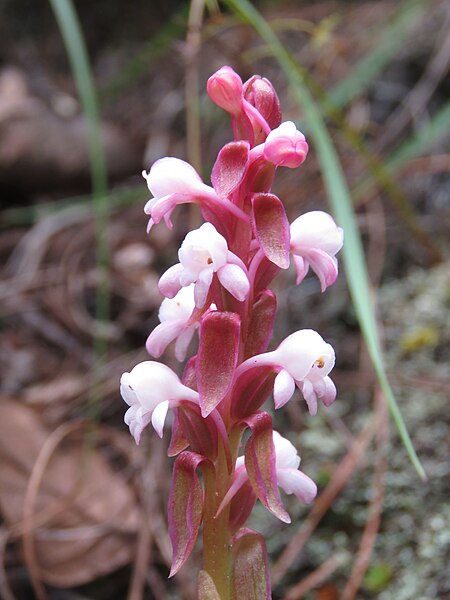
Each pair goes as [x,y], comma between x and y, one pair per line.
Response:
[85,515]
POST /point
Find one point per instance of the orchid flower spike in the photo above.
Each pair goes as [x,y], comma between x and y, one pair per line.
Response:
[315,240]
[289,478]
[286,146]
[303,359]
[175,323]
[149,390]
[204,252]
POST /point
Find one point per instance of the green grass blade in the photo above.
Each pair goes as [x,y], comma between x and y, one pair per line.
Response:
[76,49]
[342,207]
[140,64]
[421,140]
[365,71]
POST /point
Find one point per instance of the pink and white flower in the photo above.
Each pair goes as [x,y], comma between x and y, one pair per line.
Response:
[203,253]
[289,478]
[149,390]
[304,360]
[286,146]
[315,240]
[173,181]
[175,323]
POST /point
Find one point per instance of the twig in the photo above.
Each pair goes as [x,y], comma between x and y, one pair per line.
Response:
[316,577]
[5,590]
[374,515]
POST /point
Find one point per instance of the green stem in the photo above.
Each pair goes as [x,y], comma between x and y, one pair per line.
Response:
[216,531]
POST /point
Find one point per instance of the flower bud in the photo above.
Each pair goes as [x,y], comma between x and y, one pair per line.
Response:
[286,146]
[261,94]
[225,89]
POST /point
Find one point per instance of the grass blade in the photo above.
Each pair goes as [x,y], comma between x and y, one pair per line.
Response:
[76,49]
[365,71]
[342,207]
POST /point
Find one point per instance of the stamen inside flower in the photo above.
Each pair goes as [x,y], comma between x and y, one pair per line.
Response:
[320,362]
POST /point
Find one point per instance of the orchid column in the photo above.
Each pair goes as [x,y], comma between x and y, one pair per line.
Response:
[220,291]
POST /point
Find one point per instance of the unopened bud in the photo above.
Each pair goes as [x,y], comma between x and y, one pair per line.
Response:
[261,94]
[225,89]
[285,146]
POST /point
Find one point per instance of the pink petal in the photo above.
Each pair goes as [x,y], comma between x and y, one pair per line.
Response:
[326,390]
[162,335]
[225,89]
[283,389]
[164,206]
[301,266]
[169,282]
[235,281]
[261,93]
[324,266]
[285,146]
[295,482]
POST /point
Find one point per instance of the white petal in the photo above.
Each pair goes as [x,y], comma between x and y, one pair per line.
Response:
[169,283]
[295,482]
[162,335]
[283,388]
[234,279]
[159,417]
[298,352]
[202,287]
[183,341]
[179,307]
[171,175]
[301,267]
[202,248]
[285,452]
[309,395]
[326,390]
[126,390]
[316,229]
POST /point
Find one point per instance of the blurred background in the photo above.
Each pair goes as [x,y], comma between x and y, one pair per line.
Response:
[83,510]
